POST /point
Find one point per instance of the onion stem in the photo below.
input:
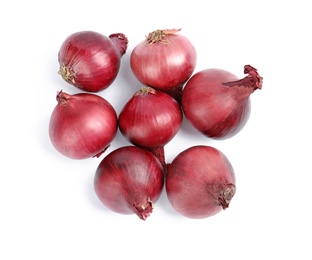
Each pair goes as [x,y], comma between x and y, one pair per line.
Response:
[252,80]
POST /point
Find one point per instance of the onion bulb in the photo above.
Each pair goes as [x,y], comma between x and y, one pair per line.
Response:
[129,180]
[200,182]
[150,119]
[164,60]
[91,61]
[82,125]
[217,103]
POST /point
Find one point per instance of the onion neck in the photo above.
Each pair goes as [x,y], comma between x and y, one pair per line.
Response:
[175,93]
[143,210]
[121,42]
[160,36]
[145,91]
[159,152]
[223,193]
[226,194]
[249,83]
[62,98]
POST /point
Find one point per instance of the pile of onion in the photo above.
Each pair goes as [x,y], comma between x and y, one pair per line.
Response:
[200,181]
[91,61]
[82,125]
[217,103]
[129,180]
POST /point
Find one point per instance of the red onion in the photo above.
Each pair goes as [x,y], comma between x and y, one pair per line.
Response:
[129,180]
[200,182]
[150,119]
[164,60]
[82,125]
[91,61]
[217,103]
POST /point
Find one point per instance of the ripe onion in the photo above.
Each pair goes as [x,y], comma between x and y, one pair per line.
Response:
[82,125]
[129,180]
[91,61]
[200,182]
[164,60]
[150,119]
[217,103]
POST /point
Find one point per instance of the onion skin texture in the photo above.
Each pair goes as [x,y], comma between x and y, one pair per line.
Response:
[129,180]
[82,125]
[200,182]
[90,61]
[164,60]
[217,103]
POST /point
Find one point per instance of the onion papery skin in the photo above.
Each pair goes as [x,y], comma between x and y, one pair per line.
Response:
[129,180]
[164,60]
[217,103]
[82,125]
[200,182]
[91,61]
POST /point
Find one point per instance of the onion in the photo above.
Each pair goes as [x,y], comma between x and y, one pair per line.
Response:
[217,103]
[200,182]
[164,60]
[150,119]
[91,61]
[129,180]
[82,125]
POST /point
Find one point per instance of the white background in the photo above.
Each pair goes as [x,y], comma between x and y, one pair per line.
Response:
[48,206]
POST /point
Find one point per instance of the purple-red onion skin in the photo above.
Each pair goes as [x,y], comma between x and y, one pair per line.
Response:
[215,109]
[150,119]
[82,125]
[164,64]
[91,61]
[129,180]
[200,182]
